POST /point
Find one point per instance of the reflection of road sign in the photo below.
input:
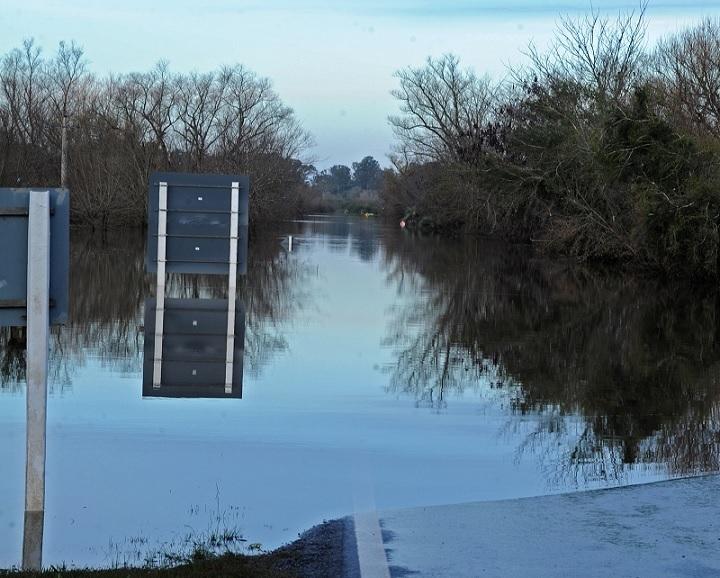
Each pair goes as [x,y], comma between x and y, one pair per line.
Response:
[14,205]
[199,353]
[199,220]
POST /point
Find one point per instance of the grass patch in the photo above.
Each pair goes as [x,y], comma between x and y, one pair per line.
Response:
[318,553]
[273,565]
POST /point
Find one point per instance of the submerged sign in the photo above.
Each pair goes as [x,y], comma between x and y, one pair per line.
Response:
[197,223]
[14,220]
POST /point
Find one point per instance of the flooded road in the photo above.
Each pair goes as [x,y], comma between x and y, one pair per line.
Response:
[379,369]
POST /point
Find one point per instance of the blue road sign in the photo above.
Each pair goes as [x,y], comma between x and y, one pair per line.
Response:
[198,222]
[14,205]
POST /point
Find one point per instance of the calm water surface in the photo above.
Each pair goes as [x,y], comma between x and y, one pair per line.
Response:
[380,370]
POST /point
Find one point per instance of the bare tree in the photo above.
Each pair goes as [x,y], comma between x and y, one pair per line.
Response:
[200,100]
[688,65]
[23,115]
[445,111]
[124,127]
[602,55]
[65,74]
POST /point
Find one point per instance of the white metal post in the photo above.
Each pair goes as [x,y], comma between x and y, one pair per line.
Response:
[160,289]
[232,286]
[63,153]
[38,321]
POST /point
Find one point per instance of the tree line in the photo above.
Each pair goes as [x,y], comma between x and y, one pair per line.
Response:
[600,147]
[353,189]
[338,179]
[119,128]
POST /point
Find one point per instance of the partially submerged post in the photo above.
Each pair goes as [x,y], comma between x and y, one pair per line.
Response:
[33,292]
[38,321]
[160,287]
[232,285]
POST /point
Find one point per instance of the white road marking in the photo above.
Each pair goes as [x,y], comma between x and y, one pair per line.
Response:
[370,549]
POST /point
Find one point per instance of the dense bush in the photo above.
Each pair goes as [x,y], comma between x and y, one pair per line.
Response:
[599,148]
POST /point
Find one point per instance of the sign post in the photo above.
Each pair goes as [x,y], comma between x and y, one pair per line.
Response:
[38,321]
[160,290]
[34,293]
[232,286]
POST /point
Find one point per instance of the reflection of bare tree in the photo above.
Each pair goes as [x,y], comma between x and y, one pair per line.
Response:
[437,336]
[609,371]
[273,291]
[108,286]
[12,356]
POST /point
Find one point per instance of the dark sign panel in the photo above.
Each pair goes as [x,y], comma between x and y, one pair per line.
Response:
[197,222]
[14,246]
[194,352]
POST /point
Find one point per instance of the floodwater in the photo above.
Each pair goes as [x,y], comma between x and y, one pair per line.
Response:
[380,369]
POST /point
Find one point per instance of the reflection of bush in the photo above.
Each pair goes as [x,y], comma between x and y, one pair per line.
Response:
[637,361]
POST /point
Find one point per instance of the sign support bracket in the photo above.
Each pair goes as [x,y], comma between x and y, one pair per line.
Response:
[232,285]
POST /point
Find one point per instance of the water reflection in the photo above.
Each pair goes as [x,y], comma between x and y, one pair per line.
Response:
[108,288]
[620,370]
[195,354]
[107,285]
[442,370]
[363,236]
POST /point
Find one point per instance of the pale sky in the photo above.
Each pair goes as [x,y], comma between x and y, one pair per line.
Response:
[331,61]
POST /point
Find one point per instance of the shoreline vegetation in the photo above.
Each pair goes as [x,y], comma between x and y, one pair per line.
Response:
[121,128]
[102,137]
[229,565]
[320,551]
[602,147]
